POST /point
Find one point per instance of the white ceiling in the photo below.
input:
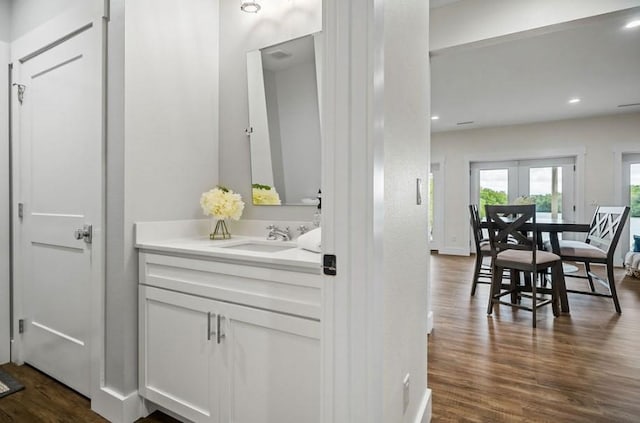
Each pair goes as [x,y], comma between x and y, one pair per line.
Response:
[530,78]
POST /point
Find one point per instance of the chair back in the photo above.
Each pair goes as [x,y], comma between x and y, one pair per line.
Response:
[606,227]
[475,226]
[506,228]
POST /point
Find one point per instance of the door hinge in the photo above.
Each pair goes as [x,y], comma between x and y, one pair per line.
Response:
[574,208]
[20,325]
[329,264]
[20,210]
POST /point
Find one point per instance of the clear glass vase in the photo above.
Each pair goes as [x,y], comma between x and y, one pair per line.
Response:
[220,231]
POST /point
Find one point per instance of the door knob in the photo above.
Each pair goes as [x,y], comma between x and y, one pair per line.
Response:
[86,233]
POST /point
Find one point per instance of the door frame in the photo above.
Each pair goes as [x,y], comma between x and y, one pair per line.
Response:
[93,14]
[439,185]
[621,195]
[579,177]
[5,222]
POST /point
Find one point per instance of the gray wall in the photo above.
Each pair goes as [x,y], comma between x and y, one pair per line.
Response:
[278,21]
[299,131]
[4,201]
[5,21]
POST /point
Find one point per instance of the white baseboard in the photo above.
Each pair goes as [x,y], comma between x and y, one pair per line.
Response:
[429,322]
[454,251]
[424,411]
[117,408]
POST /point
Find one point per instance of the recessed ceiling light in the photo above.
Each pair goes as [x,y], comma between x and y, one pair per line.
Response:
[574,100]
[435,117]
[633,24]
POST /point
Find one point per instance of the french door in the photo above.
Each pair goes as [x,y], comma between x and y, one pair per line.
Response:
[547,182]
[631,182]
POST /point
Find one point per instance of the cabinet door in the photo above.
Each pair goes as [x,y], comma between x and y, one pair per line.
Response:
[272,367]
[178,363]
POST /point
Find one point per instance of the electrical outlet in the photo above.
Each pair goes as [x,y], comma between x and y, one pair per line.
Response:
[405,393]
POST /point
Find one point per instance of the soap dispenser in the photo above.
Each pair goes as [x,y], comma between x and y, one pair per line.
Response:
[317,216]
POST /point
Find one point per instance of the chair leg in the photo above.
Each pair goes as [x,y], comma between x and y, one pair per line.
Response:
[476,273]
[612,287]
[534,297]
[496,284]
[556,274]
[587,268]
[514,281]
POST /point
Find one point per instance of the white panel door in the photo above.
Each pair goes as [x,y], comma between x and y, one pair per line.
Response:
[60,177]
[272,367]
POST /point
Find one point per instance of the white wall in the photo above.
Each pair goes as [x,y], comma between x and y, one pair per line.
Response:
[595,139]
[469,21]
[406,252]
[29,14]
[278,21]
[171,149]
[4,197]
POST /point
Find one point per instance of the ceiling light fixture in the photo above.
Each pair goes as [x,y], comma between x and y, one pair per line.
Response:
[250,6]
[435,117]
[633,24]
[574,100]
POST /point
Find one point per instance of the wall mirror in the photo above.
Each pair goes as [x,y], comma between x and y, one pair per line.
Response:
[284,115]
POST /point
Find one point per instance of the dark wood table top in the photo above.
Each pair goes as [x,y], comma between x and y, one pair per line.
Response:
[546,224]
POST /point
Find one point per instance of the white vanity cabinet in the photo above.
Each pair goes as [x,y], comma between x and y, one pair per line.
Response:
[228,342]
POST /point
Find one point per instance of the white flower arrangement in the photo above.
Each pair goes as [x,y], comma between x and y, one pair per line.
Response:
[222,203]
[265,195]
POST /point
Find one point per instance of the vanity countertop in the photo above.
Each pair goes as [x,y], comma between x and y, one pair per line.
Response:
[219,249]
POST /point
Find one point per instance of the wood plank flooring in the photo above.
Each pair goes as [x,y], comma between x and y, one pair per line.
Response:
[46,400]
[582,367]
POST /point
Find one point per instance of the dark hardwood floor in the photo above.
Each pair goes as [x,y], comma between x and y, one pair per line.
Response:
[45,400]
[582,367]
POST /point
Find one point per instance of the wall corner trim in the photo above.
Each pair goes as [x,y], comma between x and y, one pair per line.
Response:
[424,411]
[115,407]
[448,251]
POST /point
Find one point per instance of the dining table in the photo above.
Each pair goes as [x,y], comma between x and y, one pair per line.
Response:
[553,226]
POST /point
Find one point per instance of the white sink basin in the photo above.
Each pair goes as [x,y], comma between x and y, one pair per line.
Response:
[261,247]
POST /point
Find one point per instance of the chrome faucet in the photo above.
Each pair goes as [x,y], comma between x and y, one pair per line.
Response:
[276,232]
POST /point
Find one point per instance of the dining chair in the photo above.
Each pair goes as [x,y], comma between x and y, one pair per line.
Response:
[505,224]
[598,247]
[481,271]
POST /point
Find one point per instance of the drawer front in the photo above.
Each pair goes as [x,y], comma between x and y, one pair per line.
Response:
[265,288]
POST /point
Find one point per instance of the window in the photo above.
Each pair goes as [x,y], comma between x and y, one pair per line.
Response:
[631,179]
[549,181]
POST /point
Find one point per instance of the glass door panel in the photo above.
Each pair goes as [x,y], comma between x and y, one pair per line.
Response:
[545,186]
[494,187]
[634,200]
